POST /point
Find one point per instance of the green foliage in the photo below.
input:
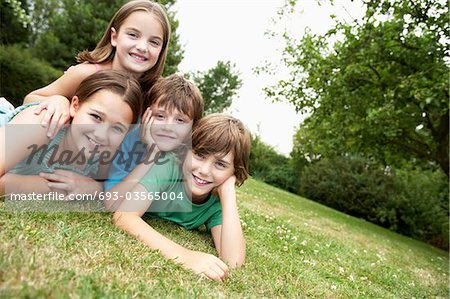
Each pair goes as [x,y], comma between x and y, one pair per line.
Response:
[421,206]
[14,22]
[381,90]
[73,27]
[218,86]
[271,167]
[413,203]
[20,73]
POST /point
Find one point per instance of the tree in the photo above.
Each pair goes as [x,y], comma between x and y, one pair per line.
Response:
[14,22]
[382,91]
[218,86]
[270,166]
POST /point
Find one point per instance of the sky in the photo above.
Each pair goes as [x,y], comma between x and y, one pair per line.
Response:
[213,30]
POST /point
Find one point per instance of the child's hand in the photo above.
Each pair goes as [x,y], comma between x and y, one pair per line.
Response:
[146,125]
[204,263]
[57,114]
[70,182]
[228,185]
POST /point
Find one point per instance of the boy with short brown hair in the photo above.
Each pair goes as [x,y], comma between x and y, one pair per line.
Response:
[200,191]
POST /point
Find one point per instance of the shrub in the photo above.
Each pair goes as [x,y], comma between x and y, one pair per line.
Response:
[411,202]
[270,166]
[21,73]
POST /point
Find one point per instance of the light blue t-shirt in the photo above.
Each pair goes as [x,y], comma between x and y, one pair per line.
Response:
[132,151]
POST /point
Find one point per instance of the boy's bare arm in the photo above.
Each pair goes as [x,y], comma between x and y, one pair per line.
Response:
[228,237]
[23,184]
[128,218]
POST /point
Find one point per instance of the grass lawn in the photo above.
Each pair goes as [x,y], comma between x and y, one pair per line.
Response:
[295,248]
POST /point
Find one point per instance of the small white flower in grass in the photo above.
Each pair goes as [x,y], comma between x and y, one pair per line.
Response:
[302,252]
[304,242]
[412,284]
[333,287]
[341,270]
[294,238]
[285,248]
[363,278]
[316,251]
[328,245]
[306,262]
[394,275]
[351,277]
[372,264]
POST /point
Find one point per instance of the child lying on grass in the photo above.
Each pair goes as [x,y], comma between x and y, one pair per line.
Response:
[199,190]
[174,106]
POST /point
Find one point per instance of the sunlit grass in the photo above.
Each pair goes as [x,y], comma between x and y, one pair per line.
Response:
[295,248]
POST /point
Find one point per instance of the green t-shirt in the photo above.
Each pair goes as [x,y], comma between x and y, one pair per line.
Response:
[170,200]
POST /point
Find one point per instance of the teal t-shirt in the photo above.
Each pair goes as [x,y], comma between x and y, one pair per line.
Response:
[171,202]
[40,161]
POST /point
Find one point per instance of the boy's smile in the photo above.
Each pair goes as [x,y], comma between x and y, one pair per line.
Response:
[204,173]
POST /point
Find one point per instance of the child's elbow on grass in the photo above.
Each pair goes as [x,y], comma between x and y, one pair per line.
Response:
[118,218]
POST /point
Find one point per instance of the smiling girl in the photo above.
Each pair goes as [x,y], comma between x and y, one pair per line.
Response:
[102,109]
[135,41]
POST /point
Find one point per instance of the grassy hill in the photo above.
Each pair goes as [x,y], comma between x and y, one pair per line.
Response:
[295,248]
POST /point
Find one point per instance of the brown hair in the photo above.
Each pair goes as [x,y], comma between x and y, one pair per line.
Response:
[104,51]
[176,92]
[219,134]
[117,82]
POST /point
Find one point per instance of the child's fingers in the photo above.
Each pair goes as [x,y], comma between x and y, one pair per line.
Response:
[222,265]
[219,272]
[39,108]
[145,116]
[148,116]
[50,176]
[65,173]
[54,126]
[60,186]
[62,121]
[47,117]
[211,274]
